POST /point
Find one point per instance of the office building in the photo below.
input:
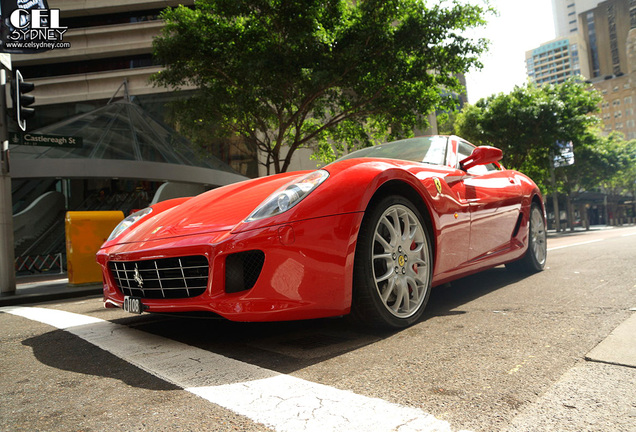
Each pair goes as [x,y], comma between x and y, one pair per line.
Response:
[609,31]
[556,61]
[605,29]
[99,90]
[566,12]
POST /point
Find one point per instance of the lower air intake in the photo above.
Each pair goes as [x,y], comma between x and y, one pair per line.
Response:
[242,270]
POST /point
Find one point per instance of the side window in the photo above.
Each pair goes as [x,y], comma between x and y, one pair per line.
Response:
[464,150]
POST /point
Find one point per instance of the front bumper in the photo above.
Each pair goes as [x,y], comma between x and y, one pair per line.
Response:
[306,273]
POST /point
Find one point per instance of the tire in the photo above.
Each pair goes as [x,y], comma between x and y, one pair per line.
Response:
[393,265]
[535,257]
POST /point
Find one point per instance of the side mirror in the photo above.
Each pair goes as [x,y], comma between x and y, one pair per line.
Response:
[482,155]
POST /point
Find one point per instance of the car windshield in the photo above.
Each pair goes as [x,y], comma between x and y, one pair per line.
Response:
[430,150]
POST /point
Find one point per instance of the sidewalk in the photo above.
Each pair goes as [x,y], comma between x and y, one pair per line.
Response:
[581,230]
[597,394]
[47,287]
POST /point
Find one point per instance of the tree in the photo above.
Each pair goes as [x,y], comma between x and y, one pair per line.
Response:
[627,173]
[526,123]
[597,158]
[620,178]
[283,74]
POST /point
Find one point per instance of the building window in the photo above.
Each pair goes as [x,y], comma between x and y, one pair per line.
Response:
[611,20]
[591,32]
[89,66]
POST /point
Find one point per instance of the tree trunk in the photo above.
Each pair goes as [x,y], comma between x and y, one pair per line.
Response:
[570,210]
[585,220]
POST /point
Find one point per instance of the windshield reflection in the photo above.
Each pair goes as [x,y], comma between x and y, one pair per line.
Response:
[431,150]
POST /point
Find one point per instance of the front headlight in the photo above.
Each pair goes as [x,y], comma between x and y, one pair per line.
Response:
[127,222]
[288,196]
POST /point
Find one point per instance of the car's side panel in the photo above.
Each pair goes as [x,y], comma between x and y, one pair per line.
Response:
[495,203]
[438,189]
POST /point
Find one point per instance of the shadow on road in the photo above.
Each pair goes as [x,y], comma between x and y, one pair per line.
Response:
[62,350]
[283,346]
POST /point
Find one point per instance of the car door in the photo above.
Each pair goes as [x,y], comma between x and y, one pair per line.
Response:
[494,197]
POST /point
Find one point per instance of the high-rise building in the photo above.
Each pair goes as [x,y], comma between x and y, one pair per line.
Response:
[609,30]
[605,29]
[556,61]
[606,56]
[566,14]
[110,43]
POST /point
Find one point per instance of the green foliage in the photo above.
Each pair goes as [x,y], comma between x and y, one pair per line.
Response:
[596,161]
[331,74]
[527,123]
[619,157]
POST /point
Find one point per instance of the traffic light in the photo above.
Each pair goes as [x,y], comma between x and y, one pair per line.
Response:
[21,100]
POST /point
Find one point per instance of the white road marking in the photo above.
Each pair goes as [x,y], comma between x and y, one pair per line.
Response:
[627,235]
[575,244]
[282,402]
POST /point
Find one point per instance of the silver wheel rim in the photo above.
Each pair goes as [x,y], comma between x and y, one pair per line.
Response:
[538,236]
[400,261]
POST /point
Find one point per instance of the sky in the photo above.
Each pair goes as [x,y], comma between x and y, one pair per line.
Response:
[522,25]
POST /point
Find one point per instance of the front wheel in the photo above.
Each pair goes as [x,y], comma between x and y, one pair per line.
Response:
[393,265]
[535,257]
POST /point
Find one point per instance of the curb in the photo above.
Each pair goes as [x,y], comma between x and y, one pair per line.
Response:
[48,292]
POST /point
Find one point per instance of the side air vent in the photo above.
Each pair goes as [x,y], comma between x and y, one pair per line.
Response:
[242,270]
[517,225]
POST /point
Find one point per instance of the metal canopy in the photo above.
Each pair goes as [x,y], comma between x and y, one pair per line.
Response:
[115,137]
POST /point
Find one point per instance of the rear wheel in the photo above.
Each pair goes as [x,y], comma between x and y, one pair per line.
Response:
[535,257]
[393,265]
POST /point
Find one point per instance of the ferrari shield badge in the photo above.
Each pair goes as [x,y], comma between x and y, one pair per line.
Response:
[438,184]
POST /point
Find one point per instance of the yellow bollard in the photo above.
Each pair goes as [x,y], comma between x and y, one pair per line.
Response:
[86,231]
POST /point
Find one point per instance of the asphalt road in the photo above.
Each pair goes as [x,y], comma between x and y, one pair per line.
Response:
[494,352]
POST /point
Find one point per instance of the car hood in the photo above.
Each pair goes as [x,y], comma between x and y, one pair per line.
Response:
[217,210]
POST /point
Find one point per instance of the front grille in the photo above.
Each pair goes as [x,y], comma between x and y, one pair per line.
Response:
[169,278]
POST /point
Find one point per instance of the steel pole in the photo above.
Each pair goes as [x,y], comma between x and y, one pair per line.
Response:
[555,195]
[7,257]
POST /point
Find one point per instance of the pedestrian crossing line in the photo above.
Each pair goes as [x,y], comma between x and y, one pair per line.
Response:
[282,402]
[575,244]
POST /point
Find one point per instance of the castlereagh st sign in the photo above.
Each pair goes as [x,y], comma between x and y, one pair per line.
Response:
[31,139]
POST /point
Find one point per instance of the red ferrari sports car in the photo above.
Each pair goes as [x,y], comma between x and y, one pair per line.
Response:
[369,234]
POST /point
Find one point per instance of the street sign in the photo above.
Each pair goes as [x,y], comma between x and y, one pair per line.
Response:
[31,139]
[565,157]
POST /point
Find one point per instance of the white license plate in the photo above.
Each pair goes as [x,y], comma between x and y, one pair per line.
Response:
[133,305]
